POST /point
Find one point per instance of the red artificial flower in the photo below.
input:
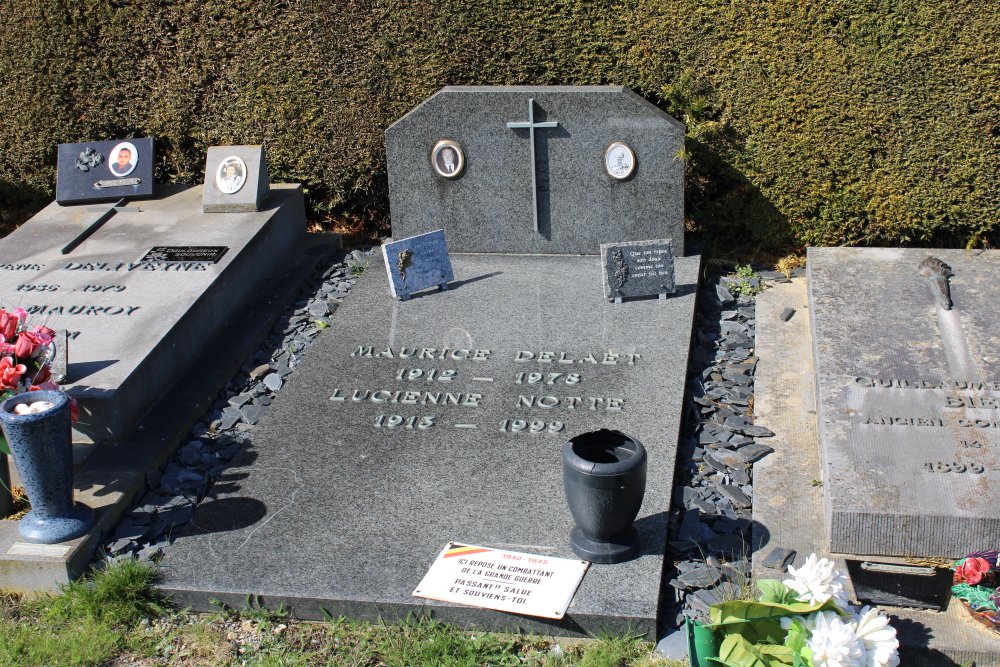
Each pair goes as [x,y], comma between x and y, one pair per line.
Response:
[42,375]
[28,345]
[972,570]
[10,373]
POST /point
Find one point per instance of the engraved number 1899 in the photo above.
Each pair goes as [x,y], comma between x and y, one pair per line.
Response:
[952,466]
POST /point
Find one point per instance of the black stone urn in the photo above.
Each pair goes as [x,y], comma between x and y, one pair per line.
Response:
[604,473]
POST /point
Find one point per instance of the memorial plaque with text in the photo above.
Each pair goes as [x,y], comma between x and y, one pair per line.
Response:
[638,268]
[137,298]
[412,422]
[907,346]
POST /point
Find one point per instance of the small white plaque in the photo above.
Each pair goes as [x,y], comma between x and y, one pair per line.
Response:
[503,580]
[28,549]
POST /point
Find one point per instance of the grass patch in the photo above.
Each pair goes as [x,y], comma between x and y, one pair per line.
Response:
[87,624]
[115,618]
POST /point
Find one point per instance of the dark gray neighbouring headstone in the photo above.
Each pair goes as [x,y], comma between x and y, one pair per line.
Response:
[134,325]
[535,157]
[97,171]
[637,268]
[414,423]
[236,179]
[417,263]
[908,386]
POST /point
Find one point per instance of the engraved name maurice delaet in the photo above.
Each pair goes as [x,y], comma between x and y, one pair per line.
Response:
[937,273]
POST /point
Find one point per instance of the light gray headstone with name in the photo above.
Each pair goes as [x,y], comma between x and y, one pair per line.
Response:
[236,179]
[908,385]
[134,325]
[536,173]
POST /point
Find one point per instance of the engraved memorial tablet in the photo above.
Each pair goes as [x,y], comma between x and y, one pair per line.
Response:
[637,268]
[907,346]
[97,171]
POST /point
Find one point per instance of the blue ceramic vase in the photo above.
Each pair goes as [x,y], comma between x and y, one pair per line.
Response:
[42,447]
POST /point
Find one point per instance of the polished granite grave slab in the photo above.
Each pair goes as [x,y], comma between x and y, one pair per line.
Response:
[441,418]
[135,325]
[908,390]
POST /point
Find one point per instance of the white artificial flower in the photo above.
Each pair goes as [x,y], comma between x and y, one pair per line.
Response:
[878,637]
[816,582]
[835,643]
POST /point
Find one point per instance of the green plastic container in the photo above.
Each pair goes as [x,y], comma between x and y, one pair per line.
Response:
[702,644]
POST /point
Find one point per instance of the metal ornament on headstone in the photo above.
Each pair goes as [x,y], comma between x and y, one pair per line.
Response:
[531,125]
[119,206]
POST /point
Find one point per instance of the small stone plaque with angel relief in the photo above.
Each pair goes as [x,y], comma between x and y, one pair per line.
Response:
[637,268]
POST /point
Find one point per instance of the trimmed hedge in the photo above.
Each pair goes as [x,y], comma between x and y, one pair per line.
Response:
[809,121]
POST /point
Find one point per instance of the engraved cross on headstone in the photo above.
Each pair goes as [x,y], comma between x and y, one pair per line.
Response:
[530,125]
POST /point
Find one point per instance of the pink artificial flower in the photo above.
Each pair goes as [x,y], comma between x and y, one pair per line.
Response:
[10,373]
[972,570]
[8,324]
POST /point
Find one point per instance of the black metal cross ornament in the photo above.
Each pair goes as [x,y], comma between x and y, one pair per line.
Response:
[531,126]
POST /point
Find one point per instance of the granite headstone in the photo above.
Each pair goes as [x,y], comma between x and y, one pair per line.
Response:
[637,268]
[907,348]
[545,169]
[97,171]
[236,179]
[417,263]
[144,293]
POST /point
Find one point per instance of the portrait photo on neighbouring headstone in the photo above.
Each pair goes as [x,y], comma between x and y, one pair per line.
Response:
[231,175]
[125,156]
[448,158]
